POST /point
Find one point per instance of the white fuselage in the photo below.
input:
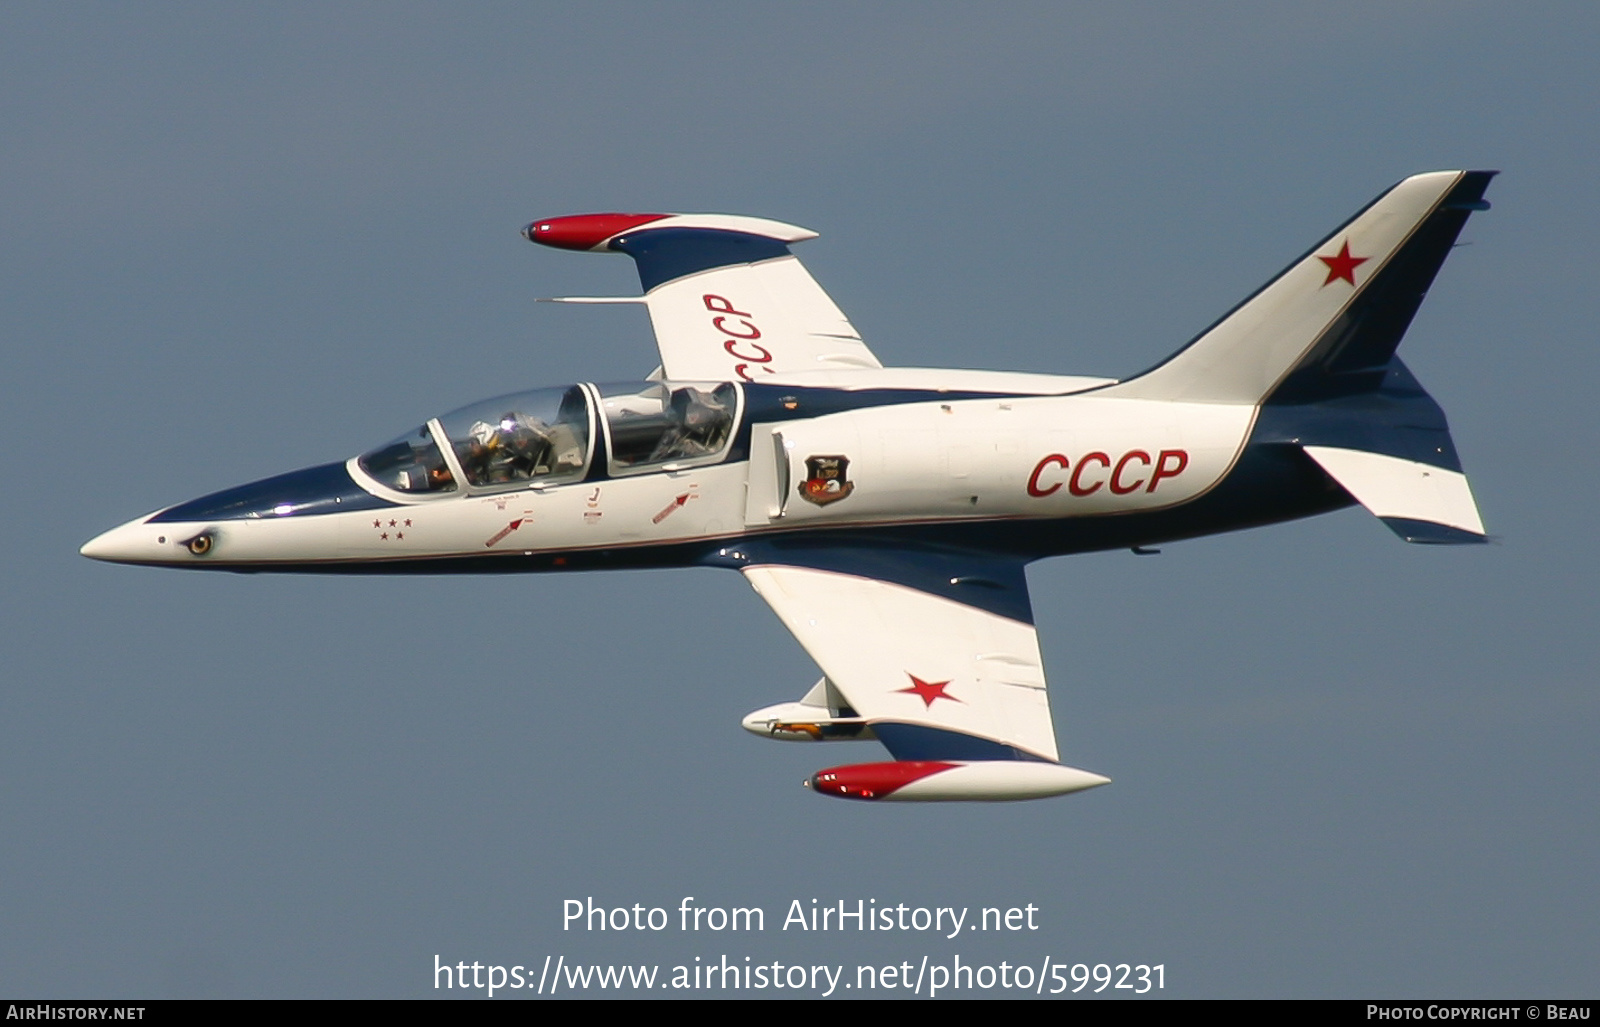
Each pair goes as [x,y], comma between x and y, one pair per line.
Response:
[996,458]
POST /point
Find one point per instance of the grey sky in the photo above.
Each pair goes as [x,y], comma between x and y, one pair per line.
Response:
[241,240]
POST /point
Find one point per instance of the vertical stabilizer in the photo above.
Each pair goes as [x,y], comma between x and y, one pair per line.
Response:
[1329,324]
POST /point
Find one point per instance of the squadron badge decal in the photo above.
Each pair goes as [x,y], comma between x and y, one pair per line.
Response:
[825,480]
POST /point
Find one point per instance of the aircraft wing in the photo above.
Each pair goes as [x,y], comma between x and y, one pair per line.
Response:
[936,653]
[726,297]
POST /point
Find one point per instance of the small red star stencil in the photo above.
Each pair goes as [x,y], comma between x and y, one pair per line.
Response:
[1342,265]
[927,691]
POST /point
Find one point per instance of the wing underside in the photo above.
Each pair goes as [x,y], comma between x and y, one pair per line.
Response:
[940,665]
[933,677]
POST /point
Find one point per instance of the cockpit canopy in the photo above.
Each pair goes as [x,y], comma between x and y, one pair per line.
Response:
[540,435]
[548,436]
[662,423]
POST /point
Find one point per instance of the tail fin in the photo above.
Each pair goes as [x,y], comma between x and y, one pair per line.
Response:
[1329,324]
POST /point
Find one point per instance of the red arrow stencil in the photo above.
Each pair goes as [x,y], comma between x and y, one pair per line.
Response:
[503,532]
[670,508]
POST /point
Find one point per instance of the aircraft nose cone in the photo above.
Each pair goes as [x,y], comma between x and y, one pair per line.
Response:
[97,548]
[134,542]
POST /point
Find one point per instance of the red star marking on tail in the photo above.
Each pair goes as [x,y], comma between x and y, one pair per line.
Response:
[927,691]
[1342,265]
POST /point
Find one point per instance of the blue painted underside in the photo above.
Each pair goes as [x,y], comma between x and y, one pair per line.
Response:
[982,580]
[327,488]
[1397,419]
[665,254]
[921,742]
[1429,533]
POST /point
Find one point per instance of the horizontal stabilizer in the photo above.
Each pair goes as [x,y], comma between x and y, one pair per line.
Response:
[1419,502]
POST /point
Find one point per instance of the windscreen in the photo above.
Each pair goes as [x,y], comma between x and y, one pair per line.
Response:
[411,463]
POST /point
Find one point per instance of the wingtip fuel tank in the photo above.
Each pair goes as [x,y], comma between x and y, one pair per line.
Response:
[952,781]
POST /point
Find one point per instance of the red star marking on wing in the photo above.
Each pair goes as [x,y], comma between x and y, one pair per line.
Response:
[927,691]
[1342,265]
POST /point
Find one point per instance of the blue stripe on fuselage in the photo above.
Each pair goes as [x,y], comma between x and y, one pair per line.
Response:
[325,489]
[1269,483]
[1272,481]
